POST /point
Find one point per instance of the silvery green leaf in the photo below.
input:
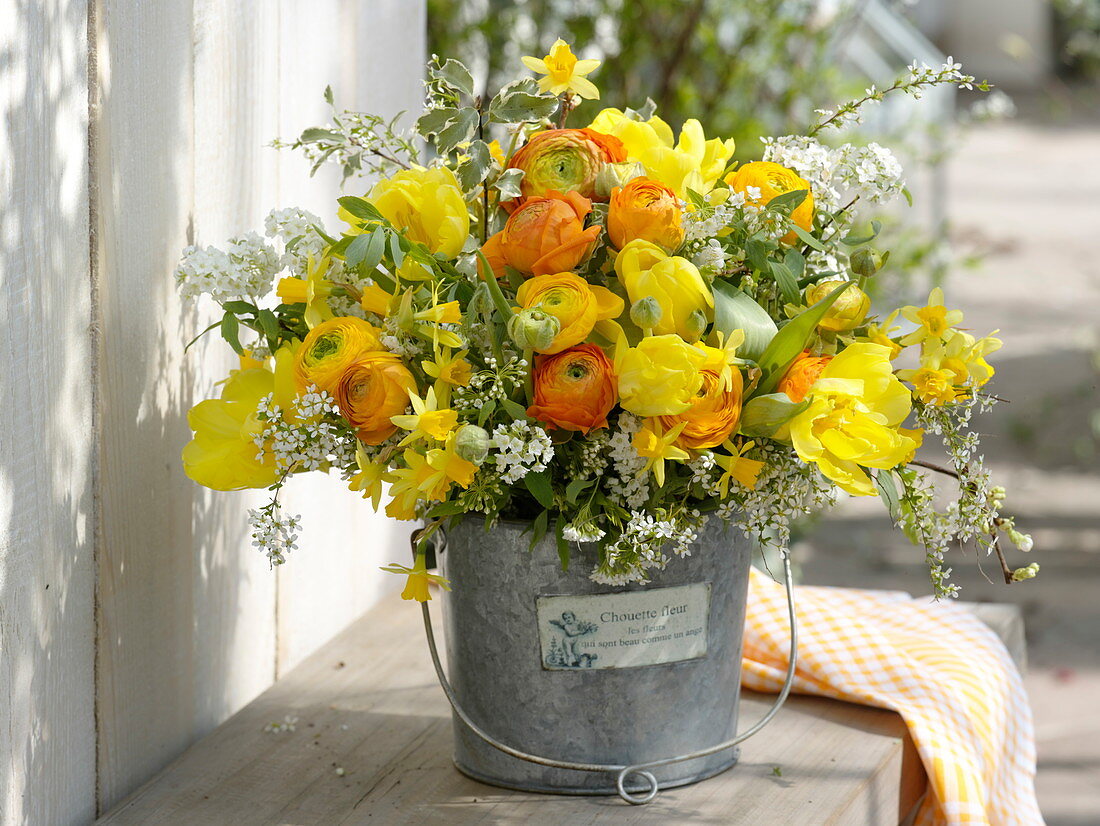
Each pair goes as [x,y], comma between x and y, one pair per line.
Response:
[473,170]
[461,129]
[508,184]
[648,109]
[520,107]
[455,75]
[733,310]
[313,135]
[434,121]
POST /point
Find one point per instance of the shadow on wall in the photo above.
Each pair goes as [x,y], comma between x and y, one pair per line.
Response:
[47,745]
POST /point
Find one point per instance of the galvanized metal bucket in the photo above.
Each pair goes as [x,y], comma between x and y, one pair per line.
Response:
[551,663]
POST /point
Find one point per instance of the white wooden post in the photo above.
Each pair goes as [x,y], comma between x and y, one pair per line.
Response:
[159,619]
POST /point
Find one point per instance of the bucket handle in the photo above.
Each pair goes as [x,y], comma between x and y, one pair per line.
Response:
[639,770]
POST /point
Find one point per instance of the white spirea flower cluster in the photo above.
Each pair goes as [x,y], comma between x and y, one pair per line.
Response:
[586,532]
[786,491]
[273,533]
[641,547]
[870,172]
[710,257]
[923,75]
[522,448]
[296,229]
[315,439]
[705,473]
[244,270]
[629,486]
[924,525]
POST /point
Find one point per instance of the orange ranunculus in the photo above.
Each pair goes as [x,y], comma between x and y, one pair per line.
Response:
[801,375]
[714,412]
[576,304]
[546,235]
[564,160]
[648,210]
[331,348]
[372,390]
[772,180]
[574,389]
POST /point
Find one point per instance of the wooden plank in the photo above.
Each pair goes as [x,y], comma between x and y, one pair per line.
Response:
[368,704]
[375,65]
[47,729]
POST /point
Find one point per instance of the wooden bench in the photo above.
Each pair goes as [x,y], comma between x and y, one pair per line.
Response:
[371,743]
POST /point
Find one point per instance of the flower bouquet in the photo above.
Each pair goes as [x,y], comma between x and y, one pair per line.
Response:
[606,334]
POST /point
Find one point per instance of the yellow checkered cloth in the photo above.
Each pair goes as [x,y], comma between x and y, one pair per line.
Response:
[936,664]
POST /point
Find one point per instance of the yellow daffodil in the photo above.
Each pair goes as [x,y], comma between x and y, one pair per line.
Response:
[737,467]
[692,162]
[564,73]
[376,300]
[370,477]
[934,319]
[657,446]
[951,366]
[723,359]
[880,333]
[313,291]
[449,367]
[856,408]
[249,363]
[407,485]
[428,420]
[449,468]
[416,587]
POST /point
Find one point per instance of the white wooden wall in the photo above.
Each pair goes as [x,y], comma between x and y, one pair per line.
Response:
[160,620]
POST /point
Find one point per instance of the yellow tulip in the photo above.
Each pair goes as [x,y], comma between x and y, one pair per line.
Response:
[222,454]
[693,162]
[427,203]
[856,408]
[673,282]
[846,313]
[660,376]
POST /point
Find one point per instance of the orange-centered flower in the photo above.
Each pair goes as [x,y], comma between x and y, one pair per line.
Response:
[574,389]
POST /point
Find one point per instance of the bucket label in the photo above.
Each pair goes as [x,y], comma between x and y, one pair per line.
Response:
[624,630]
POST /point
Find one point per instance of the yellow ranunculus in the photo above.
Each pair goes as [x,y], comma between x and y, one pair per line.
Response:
[692,163]
[660,376]
[856,408]
[769,180]
[673,282]
[426,203]
[331,348]
[576,304]
[222,454]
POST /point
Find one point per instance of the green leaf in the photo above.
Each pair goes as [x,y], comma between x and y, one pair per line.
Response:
[795,262]
[462,128]
[231,332]
[435,121]
[888,493]
[515,410]
[499,301]
[788,202]
[362,209]
[563,546]
[328,95]
[697,200]
[788,284]
[539,486]
[357,249]
[486,411]
[522,107]
[200,335]
[455,75]
[473,170]
[376,248]
[756,254]
[539,528]
[270,325]
[763,416]
[854,240]
[575,488]
[396,253]
[733,310]
[446,509]
[239,307]
[807,239]
[313,135]
[908,195]
[792,340]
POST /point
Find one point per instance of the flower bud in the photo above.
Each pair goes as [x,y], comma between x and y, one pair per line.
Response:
[1030,572]
[866,262]
[612,175]
[472,443]
[533,329]
[696,324]
[846,313]
[646,312]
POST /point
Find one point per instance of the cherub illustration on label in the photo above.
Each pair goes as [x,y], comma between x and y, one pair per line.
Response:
[566,654]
